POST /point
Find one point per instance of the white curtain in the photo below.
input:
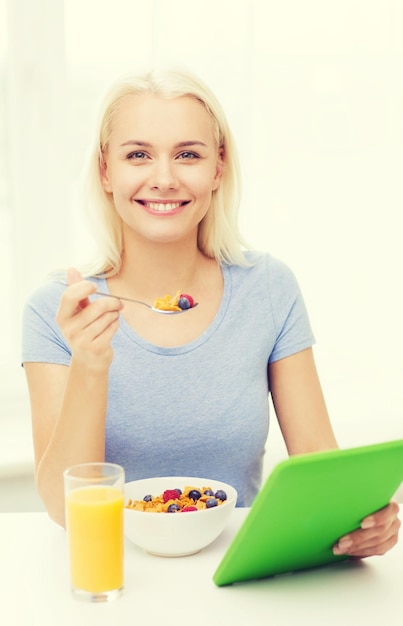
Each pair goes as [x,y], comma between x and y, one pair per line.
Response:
[314,93]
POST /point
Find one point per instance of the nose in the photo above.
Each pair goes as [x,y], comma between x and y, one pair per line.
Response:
[162,175]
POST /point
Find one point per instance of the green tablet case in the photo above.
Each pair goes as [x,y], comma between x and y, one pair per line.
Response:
[306,504]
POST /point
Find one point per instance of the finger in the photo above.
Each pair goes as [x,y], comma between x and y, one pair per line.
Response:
[73,276]
[378,521]
[375,550]
[98,327]
[75,298]
[371,540]
[83,325]
[382,516]
[95,342]
[109,328]
[366,542]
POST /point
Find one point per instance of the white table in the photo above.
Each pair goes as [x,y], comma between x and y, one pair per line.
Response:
[34,587]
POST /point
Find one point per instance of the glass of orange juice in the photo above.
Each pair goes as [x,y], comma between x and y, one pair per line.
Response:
[94,523]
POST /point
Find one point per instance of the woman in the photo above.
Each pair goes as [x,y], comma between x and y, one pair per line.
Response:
[183,394]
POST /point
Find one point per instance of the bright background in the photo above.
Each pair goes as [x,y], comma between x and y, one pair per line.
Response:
[314,93]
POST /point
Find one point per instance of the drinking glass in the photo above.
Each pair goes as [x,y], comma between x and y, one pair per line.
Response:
[94,522]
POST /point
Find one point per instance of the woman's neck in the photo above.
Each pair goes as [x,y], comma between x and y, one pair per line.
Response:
[149,271]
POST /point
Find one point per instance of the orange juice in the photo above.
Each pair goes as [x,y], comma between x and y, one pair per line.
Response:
[95,527]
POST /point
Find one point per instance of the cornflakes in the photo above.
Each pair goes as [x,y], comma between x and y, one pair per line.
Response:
[168,303]
[178,501]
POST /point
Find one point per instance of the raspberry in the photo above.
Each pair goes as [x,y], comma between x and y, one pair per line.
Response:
[170,494]
[189,508]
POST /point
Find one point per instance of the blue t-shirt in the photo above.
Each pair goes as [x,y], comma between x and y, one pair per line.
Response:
[199,409]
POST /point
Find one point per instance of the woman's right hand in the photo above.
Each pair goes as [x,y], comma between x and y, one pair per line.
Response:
[88,326]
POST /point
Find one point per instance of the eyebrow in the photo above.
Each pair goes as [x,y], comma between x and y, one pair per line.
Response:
[181,144]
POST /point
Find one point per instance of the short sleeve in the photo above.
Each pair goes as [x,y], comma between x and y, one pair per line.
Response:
[291,320]
[42,339]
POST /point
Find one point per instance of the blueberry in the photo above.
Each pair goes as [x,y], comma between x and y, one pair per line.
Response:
[173,508]
[147,498]
[183,303]
[211,502]
[208,492]
[220,494]
[195,494]
[179,491]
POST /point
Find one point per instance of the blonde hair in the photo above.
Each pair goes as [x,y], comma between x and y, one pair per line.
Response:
[218,235]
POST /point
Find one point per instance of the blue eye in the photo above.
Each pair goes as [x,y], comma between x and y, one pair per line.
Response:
[188,155]
[138,154]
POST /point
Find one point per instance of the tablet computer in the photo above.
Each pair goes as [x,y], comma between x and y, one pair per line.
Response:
[307,503]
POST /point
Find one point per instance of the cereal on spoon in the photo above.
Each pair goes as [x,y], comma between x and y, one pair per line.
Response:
[178,302]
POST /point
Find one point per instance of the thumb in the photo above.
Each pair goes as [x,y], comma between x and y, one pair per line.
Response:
[73,276]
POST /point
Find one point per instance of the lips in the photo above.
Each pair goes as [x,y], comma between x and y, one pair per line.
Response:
[163,206]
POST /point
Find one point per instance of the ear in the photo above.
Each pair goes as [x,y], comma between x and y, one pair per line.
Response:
[219,169]
[103,173]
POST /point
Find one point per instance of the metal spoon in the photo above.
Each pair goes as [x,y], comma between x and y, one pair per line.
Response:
[110,295]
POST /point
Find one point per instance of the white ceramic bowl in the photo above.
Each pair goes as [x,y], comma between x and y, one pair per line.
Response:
[175,534]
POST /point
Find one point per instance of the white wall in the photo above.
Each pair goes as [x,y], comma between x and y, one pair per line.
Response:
[329,109]
[314,93]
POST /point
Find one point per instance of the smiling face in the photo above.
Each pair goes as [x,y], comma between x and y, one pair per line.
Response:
[161,167]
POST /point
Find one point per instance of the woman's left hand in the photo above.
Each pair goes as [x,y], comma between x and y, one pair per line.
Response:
[378,533]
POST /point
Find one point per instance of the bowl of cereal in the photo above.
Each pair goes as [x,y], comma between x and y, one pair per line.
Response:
[175,515]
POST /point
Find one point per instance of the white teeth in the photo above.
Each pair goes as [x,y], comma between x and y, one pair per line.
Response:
[158,206]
